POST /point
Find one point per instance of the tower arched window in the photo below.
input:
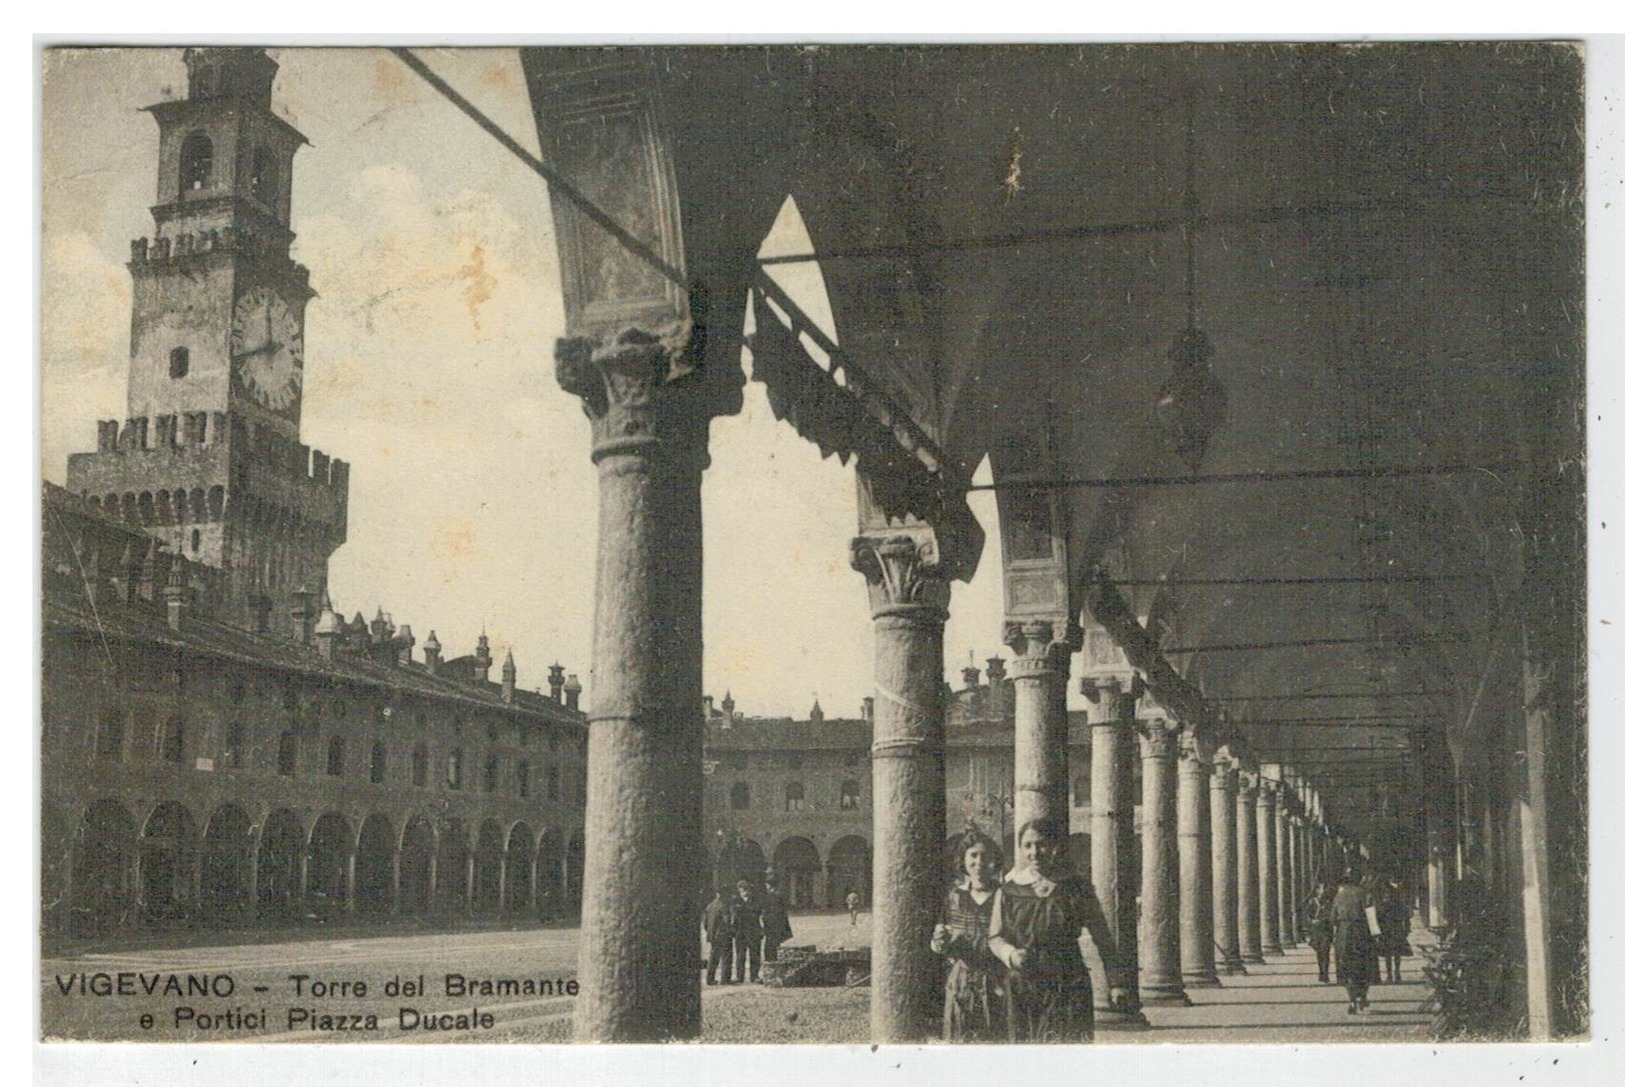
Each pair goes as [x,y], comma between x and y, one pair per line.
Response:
[739,796]
[232,756]
[335,757]
[287,754]
[420,766]
[379,763]
[180,362]
[197,162]
[262,181]
[850,795]
[795,797]
[172,743]
[524,779]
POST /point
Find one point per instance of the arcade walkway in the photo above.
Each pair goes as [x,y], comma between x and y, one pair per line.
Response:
[1282,1002]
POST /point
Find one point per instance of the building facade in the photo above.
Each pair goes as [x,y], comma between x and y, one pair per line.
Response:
[218,743]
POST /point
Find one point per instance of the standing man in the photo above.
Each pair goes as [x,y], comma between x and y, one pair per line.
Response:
[775,922]
[719,939]
[747,914]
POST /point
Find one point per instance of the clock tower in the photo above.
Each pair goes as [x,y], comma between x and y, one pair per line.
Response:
[208,458]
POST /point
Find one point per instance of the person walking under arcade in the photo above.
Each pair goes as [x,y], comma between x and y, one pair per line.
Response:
[1317,924]
[1356,951]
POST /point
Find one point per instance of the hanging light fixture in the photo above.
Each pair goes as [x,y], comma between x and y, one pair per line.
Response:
[1191,404]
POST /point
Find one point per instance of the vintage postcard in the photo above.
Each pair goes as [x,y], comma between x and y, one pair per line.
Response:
[836,545]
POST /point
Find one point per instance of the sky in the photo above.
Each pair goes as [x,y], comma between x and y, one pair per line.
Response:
[429,367]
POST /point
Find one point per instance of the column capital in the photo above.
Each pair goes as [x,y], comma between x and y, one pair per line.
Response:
[636,392]
[1224,776]
[903,567]
[1107,690]
[1041,646]
[1247,783]
[1158,739]
[1191,750]
[1269,791]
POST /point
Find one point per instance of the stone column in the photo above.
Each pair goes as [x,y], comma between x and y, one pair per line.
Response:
[252,877]
[395,881]
[1283,871]
[1039,668]
[650,416]
[1111,836]
[908,600]
[502,884]
[1247,916]
[1269,902]
[1160,981]
[1222,800]
[1440,855]
[349,882]
[1196,960]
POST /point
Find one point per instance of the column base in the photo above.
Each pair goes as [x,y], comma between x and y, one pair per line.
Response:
[1289,945]
[1203,981]
[1255,960]
[1274,949]
[1121,1019]
[1164,995]
[1234,966]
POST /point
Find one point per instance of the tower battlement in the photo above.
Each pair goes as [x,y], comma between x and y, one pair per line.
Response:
[153,254]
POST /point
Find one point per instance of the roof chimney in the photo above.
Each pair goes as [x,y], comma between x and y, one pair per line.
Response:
[510,677]
[555,682]
[869,708]
[404,643]
[572,693]
[177,594]
[431,654]
[303,612]
[972,677]
[326,633]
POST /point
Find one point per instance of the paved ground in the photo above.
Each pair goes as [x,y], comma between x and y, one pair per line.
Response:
[1280,1001]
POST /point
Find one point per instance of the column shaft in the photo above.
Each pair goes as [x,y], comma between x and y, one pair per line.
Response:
[1111,836]
[1196,960]
[1039,671]
[1160,980]
[1269,903]
[641,889]
[1283,873]
[1247,915]
[1222,798]
[909,606]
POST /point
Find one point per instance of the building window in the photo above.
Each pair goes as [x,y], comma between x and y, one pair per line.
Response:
[524,780]
[110,734]
[739,796]
[232,756]
[420,766]
[287,755]
[379,763]
[493,771]
[553,783]
[172,744]
[1080,791]
[454,769]
[197,162]
[197,541]
[851,795]
[262,181]
[795,797]
[180,361]
[335,757]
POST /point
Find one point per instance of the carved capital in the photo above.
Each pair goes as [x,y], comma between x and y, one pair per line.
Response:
[903,568]
[1247,785]
[1224,777]
[635,392]
[1041,646]
[1192,750]
[1159,740]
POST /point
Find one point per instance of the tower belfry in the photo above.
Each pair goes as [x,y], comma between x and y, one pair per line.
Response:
[208,457]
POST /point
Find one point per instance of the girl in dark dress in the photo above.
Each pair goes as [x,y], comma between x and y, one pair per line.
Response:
[1317,923]
[1040,912]
[973,1004]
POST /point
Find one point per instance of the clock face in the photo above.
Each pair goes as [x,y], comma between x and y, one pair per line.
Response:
[267,349]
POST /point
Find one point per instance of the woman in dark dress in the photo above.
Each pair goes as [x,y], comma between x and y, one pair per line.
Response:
[973,1004]
[1040,912]
[1356,951]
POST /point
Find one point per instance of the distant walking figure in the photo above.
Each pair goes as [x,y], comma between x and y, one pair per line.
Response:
[775,923]
[1356,951]
[852,906]
[1394,916]
[719,939]
[747,913]
[1317,923]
